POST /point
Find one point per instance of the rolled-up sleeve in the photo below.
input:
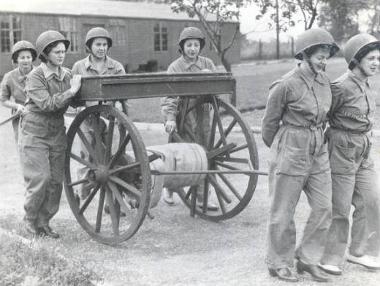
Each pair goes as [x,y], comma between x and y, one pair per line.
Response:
[37,91]
[273,112]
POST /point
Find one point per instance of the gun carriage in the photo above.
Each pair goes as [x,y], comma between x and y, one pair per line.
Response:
[127,177]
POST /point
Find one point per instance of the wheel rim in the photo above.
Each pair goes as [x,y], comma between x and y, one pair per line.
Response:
[115,173]
[226,151]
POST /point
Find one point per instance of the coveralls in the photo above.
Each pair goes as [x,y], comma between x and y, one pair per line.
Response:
[12,87]
[42,141]
[174,108]
[85,68]
[293,127]
[197,121]
[352,170]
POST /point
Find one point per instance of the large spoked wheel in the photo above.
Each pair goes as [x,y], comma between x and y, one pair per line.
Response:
[229,153]
[107,174]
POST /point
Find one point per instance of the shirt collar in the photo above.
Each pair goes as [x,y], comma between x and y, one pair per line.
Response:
[88,64]
[309,76]
[48,73]
[189,64]
[362,84]
[22,77]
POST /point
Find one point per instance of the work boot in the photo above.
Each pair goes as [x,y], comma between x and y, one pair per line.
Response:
[107,211]
[168,197]
[367,261]
[47,231]
[313,270]
[283,273]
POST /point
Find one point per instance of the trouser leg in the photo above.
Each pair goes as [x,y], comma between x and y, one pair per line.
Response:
[318,192]
[281,239]
[50,205]
[36,171]
[366,220]
[337,239]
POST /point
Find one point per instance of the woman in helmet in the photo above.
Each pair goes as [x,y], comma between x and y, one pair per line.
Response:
[292,127]
[352,170]
[98,43]
[13,83]
[42,143]
[191,43]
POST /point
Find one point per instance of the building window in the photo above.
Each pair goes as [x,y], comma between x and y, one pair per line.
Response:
[68,28]
[160,37]
[118,32]
[10,32]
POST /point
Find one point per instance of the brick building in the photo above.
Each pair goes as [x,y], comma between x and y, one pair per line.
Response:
[144,34]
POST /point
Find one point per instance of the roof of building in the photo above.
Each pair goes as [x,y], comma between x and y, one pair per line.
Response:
[116,9]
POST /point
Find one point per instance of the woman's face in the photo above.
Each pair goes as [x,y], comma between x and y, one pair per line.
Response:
[57,54]
[99,47]
[24,59]
[319,59]
[370,63]
[191,48]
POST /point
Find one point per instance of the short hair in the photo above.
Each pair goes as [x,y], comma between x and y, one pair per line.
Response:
[47,50]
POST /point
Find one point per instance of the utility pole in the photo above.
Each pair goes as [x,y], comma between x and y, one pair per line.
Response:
[277,32]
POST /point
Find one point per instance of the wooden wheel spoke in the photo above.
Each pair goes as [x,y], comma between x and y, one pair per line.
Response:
[230,186]
[219,121]
[128,187]
[228,130]
[118,197]
[232,160]
[81,181]
[87,144]
[82,161]
[212,132]
[89,199]
[111,127]
[218,188]
[113,213]
[188,193]
[99,214]
[124,168]
[99,145]
[205,195]
[120,150]
[241,147]
[230,167]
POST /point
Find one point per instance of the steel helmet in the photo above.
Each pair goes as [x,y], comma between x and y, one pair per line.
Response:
[192,33]
[314,37]
[98,32]
[357,44]
[49,37]
[22,46]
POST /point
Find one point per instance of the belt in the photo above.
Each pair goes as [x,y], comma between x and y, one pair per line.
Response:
[356,132]
[312,127]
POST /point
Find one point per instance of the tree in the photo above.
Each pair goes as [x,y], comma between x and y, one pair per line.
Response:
[223,10]
[283,13]
[340,17]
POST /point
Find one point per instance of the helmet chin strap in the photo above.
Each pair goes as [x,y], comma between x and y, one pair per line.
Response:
[307,59]
[358,65]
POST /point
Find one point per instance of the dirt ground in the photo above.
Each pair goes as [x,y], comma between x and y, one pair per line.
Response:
[173,248]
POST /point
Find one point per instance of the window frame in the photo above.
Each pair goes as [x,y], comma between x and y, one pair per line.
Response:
[8,35]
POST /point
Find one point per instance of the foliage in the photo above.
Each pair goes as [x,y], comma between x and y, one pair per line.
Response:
[223,10]
[340,17]
[287,10]
[40,265]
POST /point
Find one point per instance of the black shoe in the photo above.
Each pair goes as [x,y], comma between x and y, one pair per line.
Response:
[283,274]
[313,270]
[107,211]
[47,231]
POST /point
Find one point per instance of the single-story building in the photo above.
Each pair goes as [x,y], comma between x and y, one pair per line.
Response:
[145,35]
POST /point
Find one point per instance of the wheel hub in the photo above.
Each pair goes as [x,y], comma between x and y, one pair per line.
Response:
[100,175]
